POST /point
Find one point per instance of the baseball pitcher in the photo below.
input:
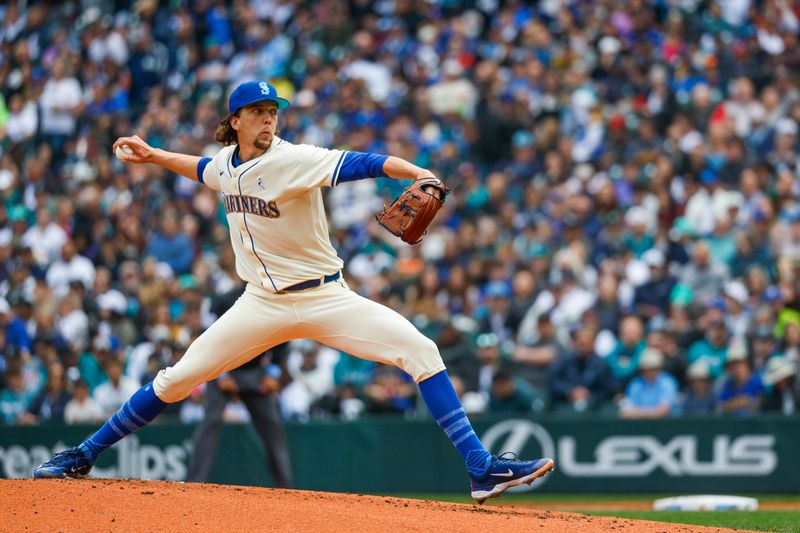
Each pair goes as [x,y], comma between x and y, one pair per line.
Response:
[271,192]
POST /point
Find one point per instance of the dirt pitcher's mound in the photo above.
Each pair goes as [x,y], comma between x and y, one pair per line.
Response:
[132,505]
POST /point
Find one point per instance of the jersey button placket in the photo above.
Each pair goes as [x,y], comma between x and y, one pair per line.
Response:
[243,230]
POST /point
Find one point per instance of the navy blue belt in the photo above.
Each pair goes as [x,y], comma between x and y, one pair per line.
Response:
[311,283]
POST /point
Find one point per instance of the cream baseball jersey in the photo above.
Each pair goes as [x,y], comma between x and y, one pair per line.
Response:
[276,215]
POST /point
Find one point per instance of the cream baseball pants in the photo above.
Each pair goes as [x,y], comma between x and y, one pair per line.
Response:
[330,314]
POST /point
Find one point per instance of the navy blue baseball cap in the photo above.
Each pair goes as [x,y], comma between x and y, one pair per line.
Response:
[254,91]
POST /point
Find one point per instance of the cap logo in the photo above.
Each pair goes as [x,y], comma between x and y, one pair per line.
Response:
[264,88]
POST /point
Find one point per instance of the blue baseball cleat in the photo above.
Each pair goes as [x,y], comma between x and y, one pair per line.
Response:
[505,473]
[72,462]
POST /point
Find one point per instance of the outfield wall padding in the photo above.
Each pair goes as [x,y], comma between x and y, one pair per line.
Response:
[387,455]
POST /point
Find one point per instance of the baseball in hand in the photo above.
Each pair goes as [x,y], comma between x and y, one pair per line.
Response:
[123,150]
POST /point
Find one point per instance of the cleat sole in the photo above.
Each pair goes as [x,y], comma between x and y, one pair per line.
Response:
[482,496]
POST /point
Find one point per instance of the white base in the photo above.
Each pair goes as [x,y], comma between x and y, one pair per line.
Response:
[707,502]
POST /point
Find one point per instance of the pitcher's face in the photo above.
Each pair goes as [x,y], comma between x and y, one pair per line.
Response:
[256,124]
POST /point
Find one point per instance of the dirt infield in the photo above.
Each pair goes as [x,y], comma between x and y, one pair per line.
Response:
[121,505]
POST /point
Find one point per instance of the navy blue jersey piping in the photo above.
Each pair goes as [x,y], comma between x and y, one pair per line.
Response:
[247,228]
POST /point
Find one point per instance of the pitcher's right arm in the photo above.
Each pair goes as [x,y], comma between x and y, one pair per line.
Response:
[185,165]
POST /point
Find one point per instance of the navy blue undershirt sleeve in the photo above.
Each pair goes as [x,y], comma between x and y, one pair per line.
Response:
[359,166]
[201,167]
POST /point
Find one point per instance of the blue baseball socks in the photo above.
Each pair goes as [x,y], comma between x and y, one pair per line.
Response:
[437,391]
[138,411]
[444,405]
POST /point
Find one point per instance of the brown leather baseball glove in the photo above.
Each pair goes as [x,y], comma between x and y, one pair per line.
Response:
[412,212]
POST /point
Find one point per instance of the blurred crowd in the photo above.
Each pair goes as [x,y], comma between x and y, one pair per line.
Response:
[624,233]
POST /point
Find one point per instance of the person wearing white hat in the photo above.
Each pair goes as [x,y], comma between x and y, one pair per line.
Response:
[652,394]
[699,397]
[783,394]
[743,390]
[783,152]
[704,274]
[737,315]
[639,236]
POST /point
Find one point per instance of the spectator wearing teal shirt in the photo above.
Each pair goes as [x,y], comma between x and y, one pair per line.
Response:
[652,394]
[722,242]
[14,399]
[350,370]
[624,358]
[713,348]
[512,395]
[91,367]
[638,238]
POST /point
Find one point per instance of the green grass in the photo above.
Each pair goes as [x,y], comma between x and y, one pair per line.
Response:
[782,521]
[787,521]
[575,499]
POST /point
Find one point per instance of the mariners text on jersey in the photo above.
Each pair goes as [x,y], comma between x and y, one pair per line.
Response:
[249,204]
[275,211]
